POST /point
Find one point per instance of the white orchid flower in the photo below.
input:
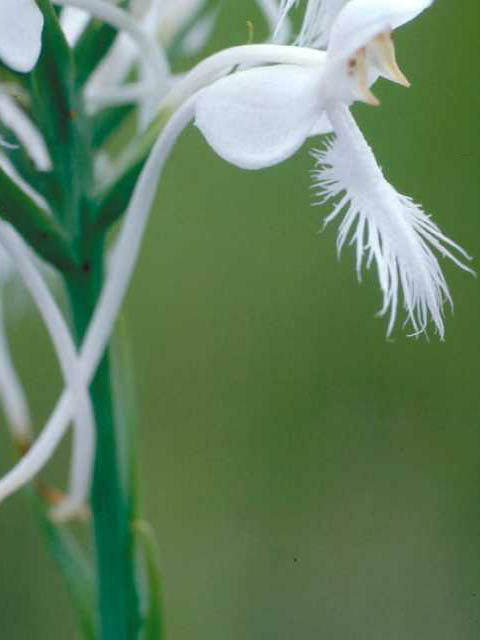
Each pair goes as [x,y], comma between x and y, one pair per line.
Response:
[154,67]
[257,118]
[21,24]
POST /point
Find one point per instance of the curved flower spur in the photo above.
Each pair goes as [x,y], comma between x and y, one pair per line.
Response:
[260,117]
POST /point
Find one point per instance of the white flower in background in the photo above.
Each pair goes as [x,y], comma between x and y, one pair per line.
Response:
[173,16]
[160,21]
[257,118]
[21,24]
[276,18]
[318,20]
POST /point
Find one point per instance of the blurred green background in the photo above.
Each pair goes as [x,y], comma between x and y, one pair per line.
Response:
[306,477]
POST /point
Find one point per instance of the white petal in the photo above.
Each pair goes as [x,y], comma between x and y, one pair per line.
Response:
[386,227]
[361,20]
[21,24]
[260,117]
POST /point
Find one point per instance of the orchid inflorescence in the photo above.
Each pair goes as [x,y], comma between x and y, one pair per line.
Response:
[255,105]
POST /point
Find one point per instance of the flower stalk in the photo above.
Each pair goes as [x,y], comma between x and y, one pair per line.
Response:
[111,502]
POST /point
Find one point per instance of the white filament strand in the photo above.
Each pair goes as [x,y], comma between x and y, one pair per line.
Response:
[77,397]
[12,393]
[118,278]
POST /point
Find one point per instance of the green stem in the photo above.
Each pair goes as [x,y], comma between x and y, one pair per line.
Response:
[117,594]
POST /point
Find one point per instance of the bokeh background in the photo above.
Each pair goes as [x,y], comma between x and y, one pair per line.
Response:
[306,477]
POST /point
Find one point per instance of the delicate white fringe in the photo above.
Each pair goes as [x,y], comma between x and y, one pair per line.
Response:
[385,227]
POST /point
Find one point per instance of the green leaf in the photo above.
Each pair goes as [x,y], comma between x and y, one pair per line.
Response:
[35,224]
[74,566]
[52,81]
[59,112]
[153,628]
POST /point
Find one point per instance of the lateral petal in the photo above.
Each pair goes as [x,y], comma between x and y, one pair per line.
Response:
[259,117]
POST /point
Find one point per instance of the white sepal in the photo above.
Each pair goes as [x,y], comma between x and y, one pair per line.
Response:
[21,24]
[385,227]
[361,20]
[260,117]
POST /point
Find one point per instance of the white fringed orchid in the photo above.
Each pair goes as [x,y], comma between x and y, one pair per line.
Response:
[21,24]
[257,118]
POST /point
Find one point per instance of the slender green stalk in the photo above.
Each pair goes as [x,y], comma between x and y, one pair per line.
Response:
[117,595]
[67,133]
